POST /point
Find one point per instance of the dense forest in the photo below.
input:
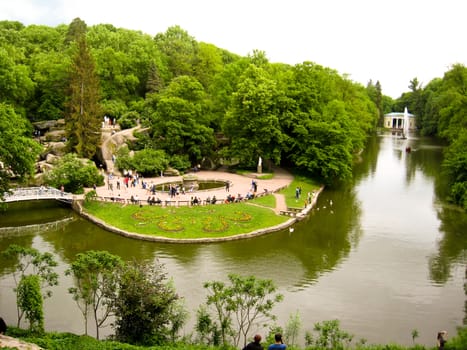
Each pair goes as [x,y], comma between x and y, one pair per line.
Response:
[199,102]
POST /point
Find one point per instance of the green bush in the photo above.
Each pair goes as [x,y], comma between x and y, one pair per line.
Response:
[180,162]
[150,161]
[129,120]
[74,174]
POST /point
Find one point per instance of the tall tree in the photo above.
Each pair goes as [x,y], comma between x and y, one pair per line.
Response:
[96,281]
[18,151]
[83,109]
[245,302]
[180,50]
[375,93]
[30,301]
[144,305]
[154,83]
[30,262]
[180,123]
[252,123]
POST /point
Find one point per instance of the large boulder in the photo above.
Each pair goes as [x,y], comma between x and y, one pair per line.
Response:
[57,148]
[171,172]
[55,136]
[51,159]
[49,125]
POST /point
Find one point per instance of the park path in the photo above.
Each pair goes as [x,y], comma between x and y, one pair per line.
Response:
[239,184]
[111,137]
[280,203]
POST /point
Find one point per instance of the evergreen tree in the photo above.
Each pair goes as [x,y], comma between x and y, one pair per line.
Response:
[83,109]
[154,83]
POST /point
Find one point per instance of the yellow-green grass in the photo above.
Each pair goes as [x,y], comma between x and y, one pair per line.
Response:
[306,184]
[268,201]
[263,176]
[211,221]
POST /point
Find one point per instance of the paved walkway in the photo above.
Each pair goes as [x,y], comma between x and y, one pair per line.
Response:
[239,184]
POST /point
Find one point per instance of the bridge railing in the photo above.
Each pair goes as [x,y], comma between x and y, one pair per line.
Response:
[31,193]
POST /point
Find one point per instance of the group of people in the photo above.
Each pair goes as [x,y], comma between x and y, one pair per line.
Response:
[256,343]
[279,344]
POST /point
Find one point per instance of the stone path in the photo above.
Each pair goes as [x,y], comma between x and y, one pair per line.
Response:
[239,184]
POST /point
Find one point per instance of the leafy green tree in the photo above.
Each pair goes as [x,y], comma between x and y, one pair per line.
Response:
[149,161]
[428,121]
[95,275]
[207,329]
[31,262]
[129,120]
[74,174]
[83,110]
[253,122]
[16,86]
[114,108]
[30,302]
[326,121]
[144,305]
[124,61]
[246,301]
[292,328]
[146,162]
[208,64]
[18,152]
[455,166]
[330,336]
[50,76]
[218,293]
[180,50]
[178,317]
[179,162]
[180,120]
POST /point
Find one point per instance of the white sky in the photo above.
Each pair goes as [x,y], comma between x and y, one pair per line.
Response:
[392,41]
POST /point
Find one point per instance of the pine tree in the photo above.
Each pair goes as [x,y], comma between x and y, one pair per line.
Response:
[83,110]
[154,83]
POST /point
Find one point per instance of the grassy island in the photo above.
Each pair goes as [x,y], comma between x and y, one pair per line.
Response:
[186,222]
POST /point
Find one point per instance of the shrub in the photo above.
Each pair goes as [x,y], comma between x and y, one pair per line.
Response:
[74,174]
[129,120]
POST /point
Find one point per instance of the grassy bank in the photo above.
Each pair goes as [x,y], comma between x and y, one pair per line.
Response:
[187,222]
[69,341]
[305,184]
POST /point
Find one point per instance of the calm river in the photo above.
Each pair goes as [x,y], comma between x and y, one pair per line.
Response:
[384,255]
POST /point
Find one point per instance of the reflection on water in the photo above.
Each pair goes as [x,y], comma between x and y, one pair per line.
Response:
[384,255]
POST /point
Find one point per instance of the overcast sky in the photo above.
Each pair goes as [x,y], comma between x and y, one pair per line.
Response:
[392,41]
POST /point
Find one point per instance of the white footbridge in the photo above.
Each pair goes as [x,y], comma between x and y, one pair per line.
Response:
[36,193]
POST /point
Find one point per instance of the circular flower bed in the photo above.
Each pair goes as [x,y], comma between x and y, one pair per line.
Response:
[241,216]
[219,224]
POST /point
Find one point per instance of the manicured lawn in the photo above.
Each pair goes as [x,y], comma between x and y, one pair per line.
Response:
[268,201]
[220,220]
[306,184]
